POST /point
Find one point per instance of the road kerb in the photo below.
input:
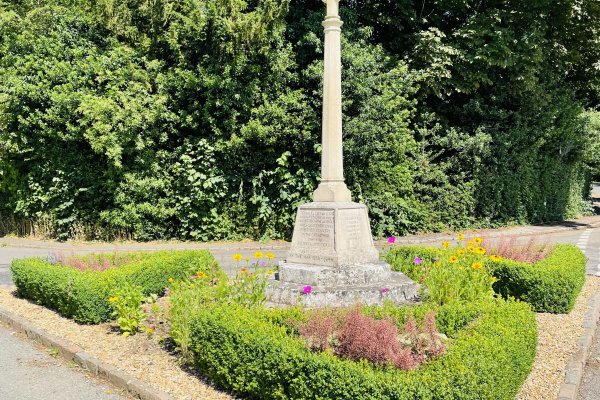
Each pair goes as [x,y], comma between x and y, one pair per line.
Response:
[74,353]
[574,370]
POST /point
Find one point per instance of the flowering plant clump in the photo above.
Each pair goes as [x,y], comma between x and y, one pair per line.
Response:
[127,302]
[246,288]
[91,262]
[351,334]
[458,274]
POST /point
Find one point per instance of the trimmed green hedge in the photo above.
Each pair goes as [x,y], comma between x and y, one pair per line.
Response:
[247,351]
[551,285]
[83,295]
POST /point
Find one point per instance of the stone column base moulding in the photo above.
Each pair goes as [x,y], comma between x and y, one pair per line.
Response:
[333,262]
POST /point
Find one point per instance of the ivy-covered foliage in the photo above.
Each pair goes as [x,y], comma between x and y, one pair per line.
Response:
[200,119]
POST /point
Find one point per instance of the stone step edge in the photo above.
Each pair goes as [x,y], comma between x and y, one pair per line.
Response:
[569,390]
[74,353]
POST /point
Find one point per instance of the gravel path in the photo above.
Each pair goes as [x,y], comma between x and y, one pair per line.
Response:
[139,356]
[557,342]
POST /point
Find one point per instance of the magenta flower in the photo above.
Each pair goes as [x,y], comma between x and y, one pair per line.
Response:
[307,289]
[384,290]
[392,239]
[417,261]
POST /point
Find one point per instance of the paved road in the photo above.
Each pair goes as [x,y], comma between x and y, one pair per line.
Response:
[590,387]
[29,374]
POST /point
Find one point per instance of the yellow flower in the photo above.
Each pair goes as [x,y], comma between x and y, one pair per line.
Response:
[149,330]
[270,256]
[480,250]
[113,299]
[270,272]
[192,285]
[170,280]
[445,244]
[258,254]
[460,252]
[237,257]
[201,274]
[471,249]
[461,237]
[244,270]
[478,240]
[471,243]
[477,265]
[494,257]
[453,259]
[247,259]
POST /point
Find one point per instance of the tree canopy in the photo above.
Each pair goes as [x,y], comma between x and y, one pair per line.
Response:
[200,119]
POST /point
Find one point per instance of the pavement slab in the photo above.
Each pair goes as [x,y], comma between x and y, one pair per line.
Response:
[27,373]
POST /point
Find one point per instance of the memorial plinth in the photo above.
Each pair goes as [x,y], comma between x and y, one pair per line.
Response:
[333,252]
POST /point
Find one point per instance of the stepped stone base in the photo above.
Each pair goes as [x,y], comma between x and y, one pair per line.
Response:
[332,252]
[369,284]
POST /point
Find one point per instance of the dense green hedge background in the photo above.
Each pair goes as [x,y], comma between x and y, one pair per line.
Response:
[200,119]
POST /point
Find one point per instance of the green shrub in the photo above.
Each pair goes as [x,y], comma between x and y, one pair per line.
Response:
[551,285]
[83,295]
[252,353]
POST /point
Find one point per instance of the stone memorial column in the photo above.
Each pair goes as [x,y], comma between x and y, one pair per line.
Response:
[332,251]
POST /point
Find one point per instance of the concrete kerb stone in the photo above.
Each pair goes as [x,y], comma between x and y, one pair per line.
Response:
[74,353]
[574,370]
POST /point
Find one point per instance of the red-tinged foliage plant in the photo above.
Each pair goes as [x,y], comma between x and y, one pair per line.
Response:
[530,252]
[356,336]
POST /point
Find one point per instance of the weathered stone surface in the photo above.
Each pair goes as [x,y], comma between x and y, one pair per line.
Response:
[319,275]
[332,234]
[398,288]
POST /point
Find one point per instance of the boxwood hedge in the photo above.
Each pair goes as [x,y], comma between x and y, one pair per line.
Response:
[83,295]
[247,351]
[551,285]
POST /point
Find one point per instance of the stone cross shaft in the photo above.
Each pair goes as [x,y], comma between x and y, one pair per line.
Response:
[332,186]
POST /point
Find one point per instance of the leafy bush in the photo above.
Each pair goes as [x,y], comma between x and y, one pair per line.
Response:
[356,335]
[127,301]
[246,289]
[550,285]
[83,295]
[254,353]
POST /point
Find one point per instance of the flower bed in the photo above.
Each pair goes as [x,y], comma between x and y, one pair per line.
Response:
[257,353]
[550,285]
[83,294]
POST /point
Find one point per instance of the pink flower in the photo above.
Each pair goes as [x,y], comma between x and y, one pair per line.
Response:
[392,239]
[307,289]
[418,261]
[384,290]
[167,291]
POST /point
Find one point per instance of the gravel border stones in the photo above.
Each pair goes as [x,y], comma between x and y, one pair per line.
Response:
[574,370]
[74,353]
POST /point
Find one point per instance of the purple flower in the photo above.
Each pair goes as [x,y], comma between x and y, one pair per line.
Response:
[392,239]
[384,290]
[307,289]
[193,277]
[167,291]
[418,261]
